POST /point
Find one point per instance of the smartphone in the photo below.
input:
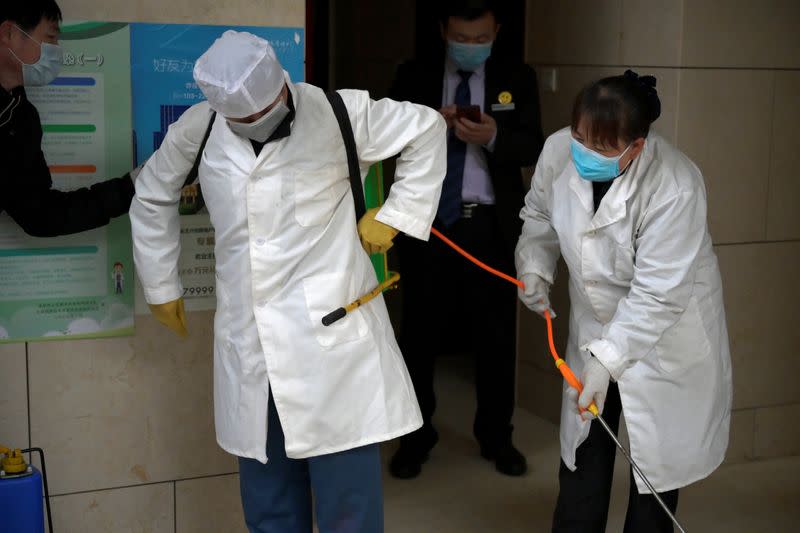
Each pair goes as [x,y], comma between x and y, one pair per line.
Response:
[469,112]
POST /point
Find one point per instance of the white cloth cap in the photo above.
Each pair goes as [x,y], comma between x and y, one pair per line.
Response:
[239,75]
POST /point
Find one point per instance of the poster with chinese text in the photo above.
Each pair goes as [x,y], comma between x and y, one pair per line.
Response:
[162,61]
[82,285]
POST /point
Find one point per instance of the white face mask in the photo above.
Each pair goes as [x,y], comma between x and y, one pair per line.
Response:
[46,69]
[261,129]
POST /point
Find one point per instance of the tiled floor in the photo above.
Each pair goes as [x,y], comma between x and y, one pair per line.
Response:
[460,492]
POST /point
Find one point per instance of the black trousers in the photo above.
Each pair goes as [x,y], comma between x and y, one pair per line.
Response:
[449,305]
[584,495]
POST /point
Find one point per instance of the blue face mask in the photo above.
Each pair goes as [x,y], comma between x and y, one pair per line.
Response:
[469,56]
[593,166]
[46,69]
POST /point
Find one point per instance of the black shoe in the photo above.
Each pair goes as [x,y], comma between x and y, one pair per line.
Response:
[413,452]
[507,459]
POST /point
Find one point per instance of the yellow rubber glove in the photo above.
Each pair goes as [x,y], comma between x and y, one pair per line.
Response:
[376,237]
[172,315]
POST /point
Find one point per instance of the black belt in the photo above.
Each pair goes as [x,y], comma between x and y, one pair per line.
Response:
[469,210]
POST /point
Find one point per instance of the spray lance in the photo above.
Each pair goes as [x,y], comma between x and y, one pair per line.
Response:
[569,376]
[561,365]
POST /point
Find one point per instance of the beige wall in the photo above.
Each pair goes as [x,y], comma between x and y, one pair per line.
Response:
[729,78]
[127,423]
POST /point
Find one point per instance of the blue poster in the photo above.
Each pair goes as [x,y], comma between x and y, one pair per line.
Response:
[162,61]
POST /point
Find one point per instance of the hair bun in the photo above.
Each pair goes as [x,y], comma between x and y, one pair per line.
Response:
[648,86]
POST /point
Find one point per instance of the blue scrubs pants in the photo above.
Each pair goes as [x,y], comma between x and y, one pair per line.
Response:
[276,497]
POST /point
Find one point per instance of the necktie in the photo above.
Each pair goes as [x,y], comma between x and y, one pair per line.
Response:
[450,202]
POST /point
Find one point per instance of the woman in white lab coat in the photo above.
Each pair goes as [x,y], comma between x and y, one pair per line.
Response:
[647,334]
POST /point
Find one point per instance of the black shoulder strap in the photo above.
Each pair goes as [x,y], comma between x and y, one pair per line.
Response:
[343,118]
[196,166]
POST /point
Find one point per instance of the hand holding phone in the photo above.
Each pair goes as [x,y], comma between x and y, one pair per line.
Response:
[469,112]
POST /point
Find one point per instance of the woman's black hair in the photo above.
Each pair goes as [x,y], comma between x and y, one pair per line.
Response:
[619,107]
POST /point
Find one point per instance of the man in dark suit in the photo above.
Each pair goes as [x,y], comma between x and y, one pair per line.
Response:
[448,302]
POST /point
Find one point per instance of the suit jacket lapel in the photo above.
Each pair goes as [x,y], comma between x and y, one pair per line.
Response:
[490,89]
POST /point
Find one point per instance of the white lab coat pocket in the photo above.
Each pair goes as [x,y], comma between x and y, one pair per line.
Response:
[685,343]
[623,263]
[316,194]
[325,293]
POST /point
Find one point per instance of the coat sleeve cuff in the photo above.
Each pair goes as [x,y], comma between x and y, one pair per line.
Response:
[409,225]
[542,273]
[533,267]
[609,356]
[162,295]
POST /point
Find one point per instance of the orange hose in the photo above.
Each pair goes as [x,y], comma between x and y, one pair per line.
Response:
[550,334]
[562,366]
[484,266]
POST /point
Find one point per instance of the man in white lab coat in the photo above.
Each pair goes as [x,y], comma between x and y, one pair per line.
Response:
[302,405]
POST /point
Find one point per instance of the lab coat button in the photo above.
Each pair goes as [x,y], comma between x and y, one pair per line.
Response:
[260,242]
